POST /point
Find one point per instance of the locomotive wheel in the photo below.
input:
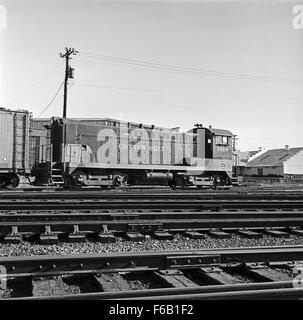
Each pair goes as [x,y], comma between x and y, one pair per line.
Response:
[73,181]
[116,183]
[172,184]
[125,181]
[215,182]
[74,186]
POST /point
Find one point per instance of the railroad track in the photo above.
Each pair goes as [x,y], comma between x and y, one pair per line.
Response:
[147,204]
[165,194]
[239,273]
[240,188]
[105,227]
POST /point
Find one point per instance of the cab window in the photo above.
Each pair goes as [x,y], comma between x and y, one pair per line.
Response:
[221,140]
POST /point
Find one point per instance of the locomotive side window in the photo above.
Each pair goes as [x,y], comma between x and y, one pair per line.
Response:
[221,140]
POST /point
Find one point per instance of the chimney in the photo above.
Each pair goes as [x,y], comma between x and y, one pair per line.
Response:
[286,147]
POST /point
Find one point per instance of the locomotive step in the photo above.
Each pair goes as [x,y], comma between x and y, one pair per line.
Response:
[57,178]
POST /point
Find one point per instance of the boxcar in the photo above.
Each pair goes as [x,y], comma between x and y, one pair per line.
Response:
[14,146]
[39,140]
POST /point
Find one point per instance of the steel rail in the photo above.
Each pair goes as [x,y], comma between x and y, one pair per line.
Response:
[171,293]
[266,294]
[96,215]
[150,195]
[47,204]
[59,226]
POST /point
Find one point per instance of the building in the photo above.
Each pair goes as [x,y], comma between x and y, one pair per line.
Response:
[240,160]
[287,162]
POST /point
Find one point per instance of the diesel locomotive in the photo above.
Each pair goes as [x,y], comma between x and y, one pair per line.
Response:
[111,153]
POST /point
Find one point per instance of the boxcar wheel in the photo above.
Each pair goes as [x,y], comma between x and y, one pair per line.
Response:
[12,182]
[3,182]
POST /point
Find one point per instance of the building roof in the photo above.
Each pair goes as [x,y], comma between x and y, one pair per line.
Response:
[274,157]
[245,155]
[242,157]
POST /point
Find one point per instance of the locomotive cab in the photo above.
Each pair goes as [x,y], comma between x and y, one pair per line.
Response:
[215,147]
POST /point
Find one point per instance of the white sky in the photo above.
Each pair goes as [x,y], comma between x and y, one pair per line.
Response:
[253,38]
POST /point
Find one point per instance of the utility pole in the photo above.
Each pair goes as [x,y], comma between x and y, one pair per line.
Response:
[234,151]
[69,74]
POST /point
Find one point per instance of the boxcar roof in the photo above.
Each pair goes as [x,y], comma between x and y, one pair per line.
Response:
[14,111]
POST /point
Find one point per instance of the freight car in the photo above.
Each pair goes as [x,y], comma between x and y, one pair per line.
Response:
[109,153]
[39,139]
[14,146]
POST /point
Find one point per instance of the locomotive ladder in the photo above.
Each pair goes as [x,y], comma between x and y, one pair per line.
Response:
[56,173]
[56,176]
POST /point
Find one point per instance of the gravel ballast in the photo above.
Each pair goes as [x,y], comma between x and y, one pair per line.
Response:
[178,243]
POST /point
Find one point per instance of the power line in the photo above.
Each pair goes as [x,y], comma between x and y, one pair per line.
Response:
[148,64]
[191,93]
[35,83]
[54,97]
[124,88]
